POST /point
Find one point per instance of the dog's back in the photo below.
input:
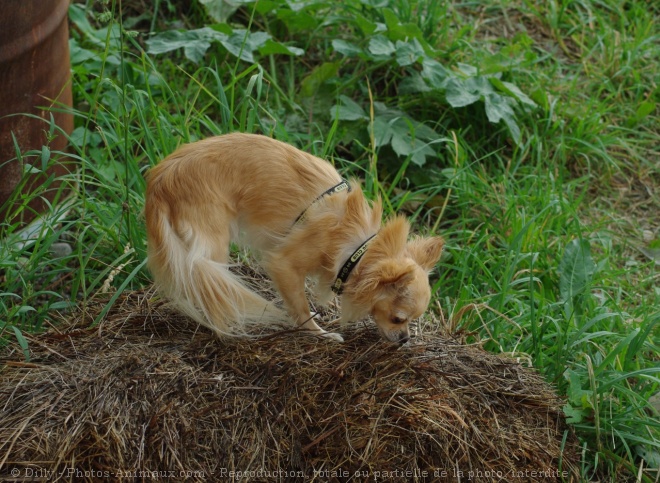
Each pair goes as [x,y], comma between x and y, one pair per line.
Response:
[254,182]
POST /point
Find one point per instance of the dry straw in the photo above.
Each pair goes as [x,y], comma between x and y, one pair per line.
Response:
[150,396]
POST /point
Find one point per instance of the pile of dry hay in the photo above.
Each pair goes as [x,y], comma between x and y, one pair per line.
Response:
[150,396]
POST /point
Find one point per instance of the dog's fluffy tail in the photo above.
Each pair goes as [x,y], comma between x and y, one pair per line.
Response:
[198,286]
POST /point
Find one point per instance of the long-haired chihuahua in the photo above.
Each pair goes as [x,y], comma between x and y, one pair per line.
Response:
[297,214]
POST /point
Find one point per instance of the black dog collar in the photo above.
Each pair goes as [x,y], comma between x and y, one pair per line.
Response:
[348,267]
[335,189]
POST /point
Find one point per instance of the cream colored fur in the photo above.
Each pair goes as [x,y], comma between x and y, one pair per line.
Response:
[250,189]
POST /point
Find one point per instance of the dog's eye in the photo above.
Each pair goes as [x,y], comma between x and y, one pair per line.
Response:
[398,320]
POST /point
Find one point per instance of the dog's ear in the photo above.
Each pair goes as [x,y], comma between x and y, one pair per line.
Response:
[394,272]
[391,240]
[426,251]
[385,274]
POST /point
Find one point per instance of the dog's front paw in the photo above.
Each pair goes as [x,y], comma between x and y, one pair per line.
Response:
[333,336]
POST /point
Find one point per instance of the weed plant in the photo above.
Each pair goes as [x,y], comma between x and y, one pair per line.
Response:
[526,133]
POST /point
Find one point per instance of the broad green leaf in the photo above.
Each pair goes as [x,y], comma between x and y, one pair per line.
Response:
[242,43]
[346,48]
[436,75]
[382,109]
[510,56]
[514,129]
[298,5]
[297,21]
[413,84]
[220,10]
[408,53]
[403,123]
[265,6]
[405,145]
[479,84]
[467,69]
[272,47]
[311,84]
[518,94]
[382,131]
[222,28]
[401,31]
[573,415]
[512,90]
[253,40]
[98,37]
[78,16]
[78,54]
[576,269]
[368,27]
[422,131]
[576,395]
[81,136]
[194,43]
[381,46]
[30,169]
[402,143]
[497,108]
[348,110]
[458,93]
[406,136]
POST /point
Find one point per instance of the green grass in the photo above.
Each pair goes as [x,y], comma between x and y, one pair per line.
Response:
[546,211]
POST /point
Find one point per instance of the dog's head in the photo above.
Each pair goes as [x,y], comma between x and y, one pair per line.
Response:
[393,284]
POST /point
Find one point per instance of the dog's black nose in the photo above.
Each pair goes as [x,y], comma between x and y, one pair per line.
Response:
[403,339]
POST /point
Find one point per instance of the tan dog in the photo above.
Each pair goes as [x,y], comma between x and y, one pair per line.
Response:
[300,217]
